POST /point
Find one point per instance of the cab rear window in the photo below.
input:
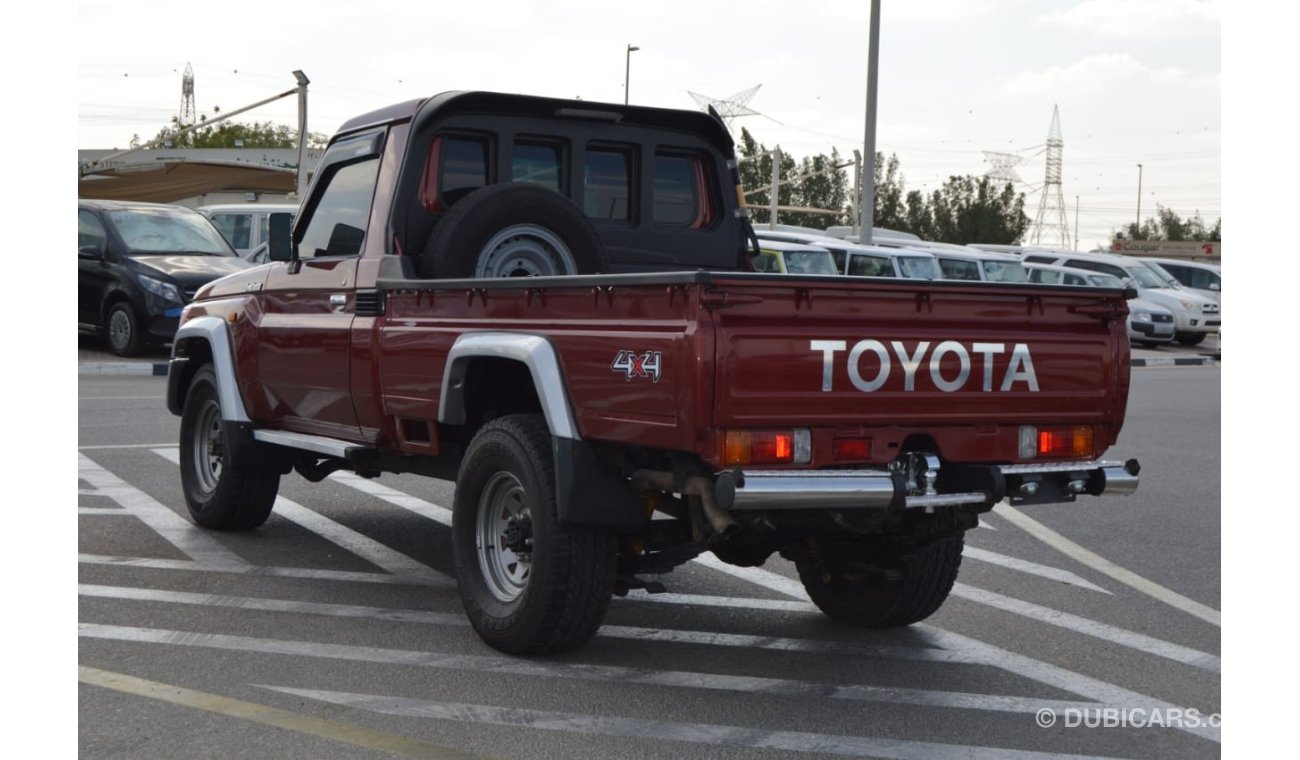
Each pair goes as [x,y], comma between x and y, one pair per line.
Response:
[681,191]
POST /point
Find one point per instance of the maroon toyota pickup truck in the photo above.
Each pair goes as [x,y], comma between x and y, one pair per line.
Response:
[640,398]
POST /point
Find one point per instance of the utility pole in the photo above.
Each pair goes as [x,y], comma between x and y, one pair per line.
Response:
[1076,222]
[303,81]
[776,187]
[866,210]
[627,70]
[1139,216]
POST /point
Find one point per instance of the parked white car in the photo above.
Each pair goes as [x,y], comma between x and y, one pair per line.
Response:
[246,225]
[784,257]
[1149,323]
[865,260]
[1195,316]
[1197,276]
[959,262]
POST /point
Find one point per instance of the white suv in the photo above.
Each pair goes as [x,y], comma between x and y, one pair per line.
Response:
[865,260]
[1195,316]
[1149,323]
[245,225]
[1198,276]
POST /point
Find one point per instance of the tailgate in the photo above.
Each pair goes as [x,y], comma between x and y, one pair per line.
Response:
[964,364]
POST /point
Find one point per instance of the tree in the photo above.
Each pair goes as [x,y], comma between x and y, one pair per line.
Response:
[920,219]
[234,134]
[820,183]
[970,210]
[889,210]
[756,177]
[1168,225]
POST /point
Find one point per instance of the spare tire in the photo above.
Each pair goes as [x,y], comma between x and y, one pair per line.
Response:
[512,230]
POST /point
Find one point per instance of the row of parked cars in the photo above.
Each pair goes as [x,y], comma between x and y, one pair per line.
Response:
[1176,300]
[139,264]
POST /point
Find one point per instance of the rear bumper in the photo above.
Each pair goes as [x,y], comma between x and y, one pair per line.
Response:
[893,489]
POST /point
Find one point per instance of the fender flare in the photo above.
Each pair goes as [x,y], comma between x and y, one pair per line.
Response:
[533,351]
[213,331]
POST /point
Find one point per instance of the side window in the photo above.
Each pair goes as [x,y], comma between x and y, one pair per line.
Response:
[1044,276]
[1205,280]
[90,231]
[1039,259]
[537,162]
[338,224]
[870,266]
[1074,279]
[607,184]
[681,191]
[766,262]
[956,269]
[462,167]
[235,227]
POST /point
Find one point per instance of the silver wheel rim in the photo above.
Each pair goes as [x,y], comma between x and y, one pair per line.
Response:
[209,450]
[525,250]
[500,506]
[119,329]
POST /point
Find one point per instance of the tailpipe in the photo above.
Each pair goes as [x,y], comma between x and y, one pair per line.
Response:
[695,485]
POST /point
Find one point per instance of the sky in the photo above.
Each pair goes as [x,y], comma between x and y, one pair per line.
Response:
[1136,81]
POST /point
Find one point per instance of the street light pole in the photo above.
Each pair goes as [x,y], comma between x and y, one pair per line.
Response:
[866,210]
[301,184]
[1076,222]
[1138,228]
[627,70]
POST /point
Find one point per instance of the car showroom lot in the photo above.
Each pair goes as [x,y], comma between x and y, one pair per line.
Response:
[337,623]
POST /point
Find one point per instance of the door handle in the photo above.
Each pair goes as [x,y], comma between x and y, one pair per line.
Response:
[338,299]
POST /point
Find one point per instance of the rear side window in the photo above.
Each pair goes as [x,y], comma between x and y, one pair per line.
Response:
[681,191]
[766,262]
[607,184]
[1039,259]
[539,163]
[237,228]
[1098,266]
[1045,276]
[457,166]
[957,269]
[870,266]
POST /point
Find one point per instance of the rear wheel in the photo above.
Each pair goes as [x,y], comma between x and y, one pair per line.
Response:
[221,490]
[882,600]
[529,583]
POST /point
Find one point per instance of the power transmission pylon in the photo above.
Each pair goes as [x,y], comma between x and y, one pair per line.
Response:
[1050,223]
[1002,166]
[187,115]
[731,107]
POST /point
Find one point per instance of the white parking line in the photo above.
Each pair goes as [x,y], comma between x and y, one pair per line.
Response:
[344,576]
[1106,567]
[695,733]
[175,529]
[610,674]
[359,544]
[1031,568]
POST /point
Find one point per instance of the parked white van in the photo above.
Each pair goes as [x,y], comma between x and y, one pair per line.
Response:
[865,260]
[245,225]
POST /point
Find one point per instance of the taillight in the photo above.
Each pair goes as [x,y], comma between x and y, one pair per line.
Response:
[767,447]
[1074,441]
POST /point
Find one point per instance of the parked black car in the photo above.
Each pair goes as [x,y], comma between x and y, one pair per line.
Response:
[139,264]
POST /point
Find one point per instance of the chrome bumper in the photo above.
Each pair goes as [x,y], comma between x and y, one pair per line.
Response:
[899,489]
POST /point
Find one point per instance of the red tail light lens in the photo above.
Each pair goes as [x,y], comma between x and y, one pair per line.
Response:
[1065,442]
[851,449]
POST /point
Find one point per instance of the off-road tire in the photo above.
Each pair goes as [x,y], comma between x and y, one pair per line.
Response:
[878,601]
[554,236]
[571,568]
[122,330]
[233,495]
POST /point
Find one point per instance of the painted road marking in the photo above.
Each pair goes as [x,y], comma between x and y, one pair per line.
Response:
[1106,567]
[345,576]
[1030,568]
[363,546]
[996,657]
[266,715]
[115,511]
[181,533]
[126,446]
[695,733]
[611,674]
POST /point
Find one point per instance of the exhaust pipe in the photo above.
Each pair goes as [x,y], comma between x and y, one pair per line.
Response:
[695,485]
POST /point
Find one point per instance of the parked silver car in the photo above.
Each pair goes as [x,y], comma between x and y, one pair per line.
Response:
[246,225]
[1149,323]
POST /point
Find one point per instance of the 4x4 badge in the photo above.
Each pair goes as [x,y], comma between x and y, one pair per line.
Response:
[633,365]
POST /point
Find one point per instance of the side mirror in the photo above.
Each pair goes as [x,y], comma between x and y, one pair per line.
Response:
[1214,286]
[280,242]
[91,251]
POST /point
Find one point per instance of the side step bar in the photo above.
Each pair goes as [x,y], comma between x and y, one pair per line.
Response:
[318,444]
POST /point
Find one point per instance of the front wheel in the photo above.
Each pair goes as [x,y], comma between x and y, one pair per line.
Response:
[1190,339]
[529,583]
[123,331]
[221,491]
[884,600]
